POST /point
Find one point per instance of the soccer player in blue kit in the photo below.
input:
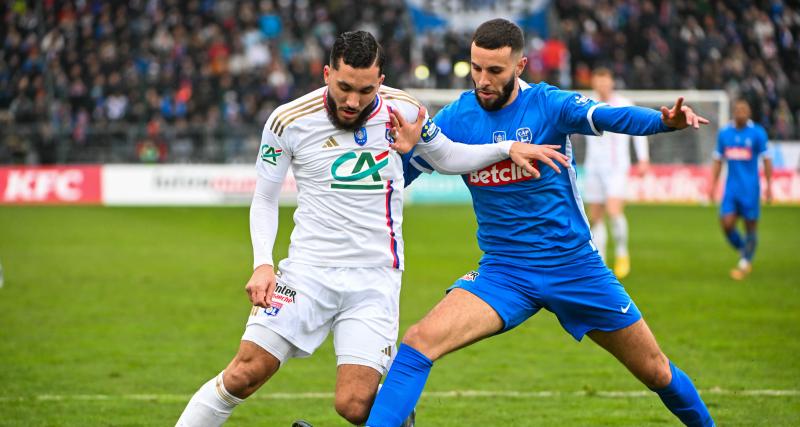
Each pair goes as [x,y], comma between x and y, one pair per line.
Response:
[534,234]
[740,144]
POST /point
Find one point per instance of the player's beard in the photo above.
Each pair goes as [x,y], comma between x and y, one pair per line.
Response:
[502,98]
[351,126]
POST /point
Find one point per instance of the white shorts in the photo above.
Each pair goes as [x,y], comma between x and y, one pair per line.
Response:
[360,305]
[601,185]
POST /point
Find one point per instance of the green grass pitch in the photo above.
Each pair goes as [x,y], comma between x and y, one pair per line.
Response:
[114,316]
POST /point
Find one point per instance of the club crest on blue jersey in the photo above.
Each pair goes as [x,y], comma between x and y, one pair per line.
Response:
[580,100]
[360,136]
[524,135]
[499,135]
[429,130]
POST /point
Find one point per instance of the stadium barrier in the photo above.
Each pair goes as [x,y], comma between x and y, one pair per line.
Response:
[221,185]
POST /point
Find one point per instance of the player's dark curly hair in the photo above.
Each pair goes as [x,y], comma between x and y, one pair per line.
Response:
[358,49]
[499,33]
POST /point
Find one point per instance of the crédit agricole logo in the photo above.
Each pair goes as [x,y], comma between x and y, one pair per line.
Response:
[359,171]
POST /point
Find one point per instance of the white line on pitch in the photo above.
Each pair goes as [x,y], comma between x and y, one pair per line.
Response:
[430,394]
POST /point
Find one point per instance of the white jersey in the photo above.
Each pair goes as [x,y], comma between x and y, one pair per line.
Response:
[611,151]
[350,184]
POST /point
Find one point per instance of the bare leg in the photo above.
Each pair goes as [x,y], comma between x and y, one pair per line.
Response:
[356,386]
[214,402]
[460,319]
[250,369]
[636,347]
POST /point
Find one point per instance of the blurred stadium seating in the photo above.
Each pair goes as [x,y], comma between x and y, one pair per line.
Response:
[87,81]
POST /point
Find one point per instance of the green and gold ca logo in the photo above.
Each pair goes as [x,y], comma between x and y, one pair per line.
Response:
[270,154]
[364,174]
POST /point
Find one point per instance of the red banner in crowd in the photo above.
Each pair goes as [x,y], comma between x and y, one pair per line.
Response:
[681,183]
[51,185]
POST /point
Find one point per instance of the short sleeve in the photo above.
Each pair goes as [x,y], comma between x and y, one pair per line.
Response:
[571,110]
[274,157]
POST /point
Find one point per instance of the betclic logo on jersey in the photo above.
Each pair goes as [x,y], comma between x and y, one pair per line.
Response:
[501,173]
[738,153]
[359,171]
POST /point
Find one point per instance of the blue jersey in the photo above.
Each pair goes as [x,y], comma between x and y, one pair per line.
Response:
[741,148]
[535,221]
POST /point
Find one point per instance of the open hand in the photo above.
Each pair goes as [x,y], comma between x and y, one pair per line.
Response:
[681,116]
[261,286]
[405,134]
[526,155]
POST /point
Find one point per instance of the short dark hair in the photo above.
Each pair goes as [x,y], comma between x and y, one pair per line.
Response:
[358,49]
[602,72]
[499,33]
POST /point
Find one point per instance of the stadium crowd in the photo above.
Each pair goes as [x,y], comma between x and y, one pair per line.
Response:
[169,73]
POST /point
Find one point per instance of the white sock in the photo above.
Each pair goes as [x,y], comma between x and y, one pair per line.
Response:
[619,229]
[210,406]
[600,237]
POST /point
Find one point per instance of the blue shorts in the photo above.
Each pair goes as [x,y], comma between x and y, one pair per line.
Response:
[748,207]
[584,294]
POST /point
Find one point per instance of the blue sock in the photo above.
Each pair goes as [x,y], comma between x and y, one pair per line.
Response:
[735,239]
[401,389]
[682,399]
[750,245]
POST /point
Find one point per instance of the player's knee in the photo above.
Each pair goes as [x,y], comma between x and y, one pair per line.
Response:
[244,376]
[353,408]
[658,374]
[422,340]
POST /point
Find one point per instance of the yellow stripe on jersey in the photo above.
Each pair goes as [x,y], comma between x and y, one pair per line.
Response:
[406,98]
[298,115]
[291,110]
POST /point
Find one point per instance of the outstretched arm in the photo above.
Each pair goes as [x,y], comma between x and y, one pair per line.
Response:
[451,158]
[635,120]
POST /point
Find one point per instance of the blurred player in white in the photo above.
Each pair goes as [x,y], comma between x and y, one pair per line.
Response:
[607,165]
[346,253]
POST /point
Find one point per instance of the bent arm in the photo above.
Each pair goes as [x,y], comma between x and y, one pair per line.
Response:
[631,120]
[453,158]
[264,220]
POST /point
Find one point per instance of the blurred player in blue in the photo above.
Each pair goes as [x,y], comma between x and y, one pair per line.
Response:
[740,144]
[534,234]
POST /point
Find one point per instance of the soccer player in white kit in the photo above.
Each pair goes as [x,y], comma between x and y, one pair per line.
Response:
[606,168]
[346,253]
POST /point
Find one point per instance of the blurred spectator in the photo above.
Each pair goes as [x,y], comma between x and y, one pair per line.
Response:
[749,48]
[89,66]
[92,63]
